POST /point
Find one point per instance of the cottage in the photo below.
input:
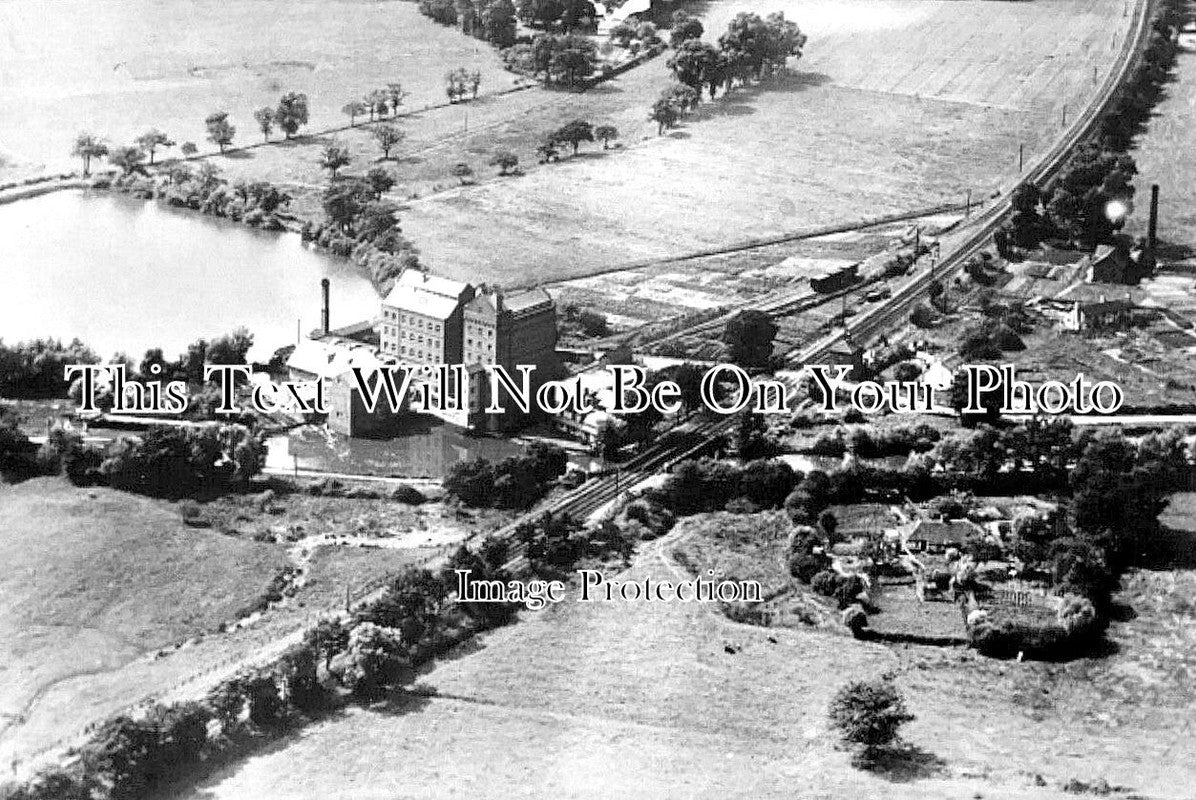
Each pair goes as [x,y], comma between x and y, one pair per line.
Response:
[936,537]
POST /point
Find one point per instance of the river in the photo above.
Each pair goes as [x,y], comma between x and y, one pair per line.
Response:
[125,274]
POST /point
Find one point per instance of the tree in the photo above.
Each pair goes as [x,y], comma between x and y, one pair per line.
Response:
[129,159]
[88,147]
[354,110]
[151,140]
[749,336]
[684,28]
[869,714]
[498,23]
[291,112]
[394,96]
[462,172]
[574,133]
[606,133]
[220,130]
[344,200]
[664,114]
[189,149]
[681,97]
[454,85]
[1079,198]
[475,82]
[380,180]
[333,156]
[622,33]
[505,160]
[548,152]
[693,63]
[230,348]
[388,137]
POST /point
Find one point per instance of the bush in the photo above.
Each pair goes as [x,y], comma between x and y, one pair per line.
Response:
[869,714]
[825,583]
[404,493]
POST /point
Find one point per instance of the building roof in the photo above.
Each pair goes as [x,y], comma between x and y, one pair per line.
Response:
[428,295]
[426,281]
[328,359]
[944,531]
[525,300]
[1090,293]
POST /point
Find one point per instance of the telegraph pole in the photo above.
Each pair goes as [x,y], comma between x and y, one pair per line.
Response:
[1021,156]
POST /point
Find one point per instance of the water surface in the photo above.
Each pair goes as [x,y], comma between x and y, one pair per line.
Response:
[126,274]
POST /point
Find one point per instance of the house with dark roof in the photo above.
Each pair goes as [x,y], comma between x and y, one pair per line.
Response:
[938,536]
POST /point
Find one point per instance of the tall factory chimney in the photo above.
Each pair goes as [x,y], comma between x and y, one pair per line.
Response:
[1152,228]
[325,320]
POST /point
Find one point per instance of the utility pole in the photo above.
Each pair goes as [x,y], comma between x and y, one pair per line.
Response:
[967,204]
[1021,156]
[1065,115]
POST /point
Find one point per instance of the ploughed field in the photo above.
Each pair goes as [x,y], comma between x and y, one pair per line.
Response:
[673,700]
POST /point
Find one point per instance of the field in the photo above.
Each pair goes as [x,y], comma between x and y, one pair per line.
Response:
[673,700]
[119,67]
[102,591]
[95,579]
[895,106]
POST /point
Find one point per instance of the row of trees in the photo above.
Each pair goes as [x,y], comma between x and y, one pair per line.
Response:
[376,104]
[1077,204]
[573,134]
[129,158]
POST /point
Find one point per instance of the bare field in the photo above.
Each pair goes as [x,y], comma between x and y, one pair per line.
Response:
[644,699]
[119,67]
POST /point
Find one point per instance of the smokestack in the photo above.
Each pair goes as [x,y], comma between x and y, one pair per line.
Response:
[324,315]
[1152,227]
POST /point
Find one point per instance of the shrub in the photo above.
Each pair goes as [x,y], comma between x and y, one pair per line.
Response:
[855,619]
[869,714]
[825,583]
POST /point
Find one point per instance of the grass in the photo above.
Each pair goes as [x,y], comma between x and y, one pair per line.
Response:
[96,582]
[168,63]
[671,699]
[96,579]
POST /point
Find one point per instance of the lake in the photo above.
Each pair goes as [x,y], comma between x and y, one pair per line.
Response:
[127,274]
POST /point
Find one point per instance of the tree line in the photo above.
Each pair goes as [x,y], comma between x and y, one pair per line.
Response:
[1076,205]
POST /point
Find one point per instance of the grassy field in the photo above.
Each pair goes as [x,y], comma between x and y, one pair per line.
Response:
[96,583]
[95,579]
[673,700]
[118,67]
